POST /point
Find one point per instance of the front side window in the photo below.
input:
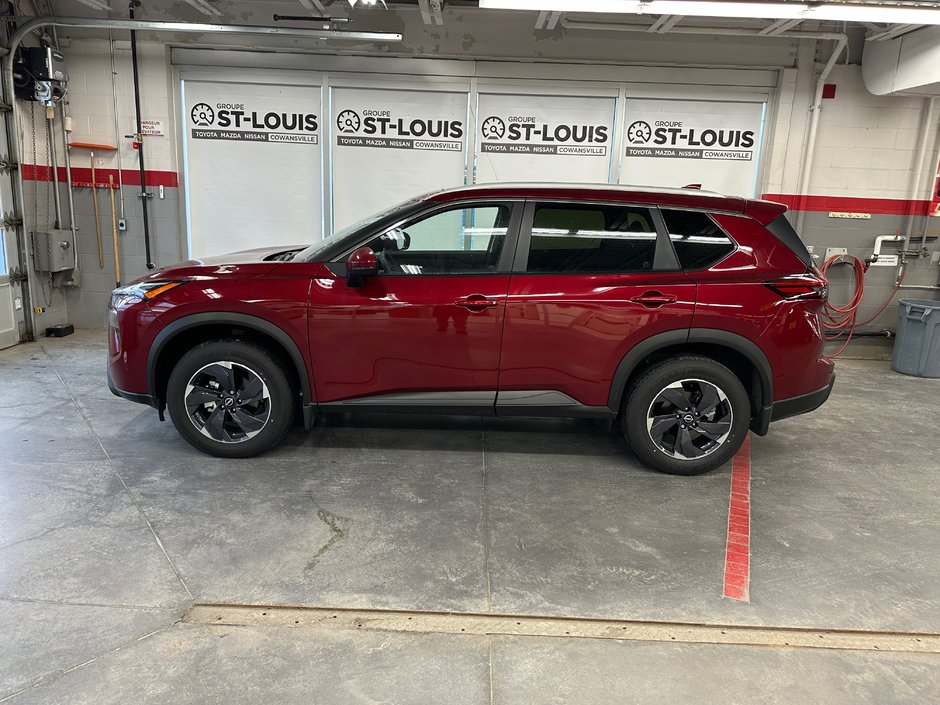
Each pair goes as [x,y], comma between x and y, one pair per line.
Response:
[572,238]
[467,240]
[698,241]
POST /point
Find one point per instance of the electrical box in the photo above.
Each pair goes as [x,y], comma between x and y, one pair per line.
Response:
[39,74]
[53,251]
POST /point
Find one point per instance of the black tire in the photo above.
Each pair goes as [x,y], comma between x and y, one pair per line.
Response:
[250,427]
[663,417]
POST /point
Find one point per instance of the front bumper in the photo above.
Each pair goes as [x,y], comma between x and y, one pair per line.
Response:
[131,396]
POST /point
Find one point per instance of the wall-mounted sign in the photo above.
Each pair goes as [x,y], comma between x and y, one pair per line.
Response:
[151,128]
[850,216]
[369,129]
[254,165]
[544,138]
[252,120]
[676,142]
[886,261]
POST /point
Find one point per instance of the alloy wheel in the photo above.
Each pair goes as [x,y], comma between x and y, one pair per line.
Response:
[689,419]
[227,402]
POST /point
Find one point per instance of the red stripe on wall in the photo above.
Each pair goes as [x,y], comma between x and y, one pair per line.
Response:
[738,543]
[81,176]
[848,204]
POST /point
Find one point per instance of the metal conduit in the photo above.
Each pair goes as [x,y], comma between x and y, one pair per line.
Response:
[12,122]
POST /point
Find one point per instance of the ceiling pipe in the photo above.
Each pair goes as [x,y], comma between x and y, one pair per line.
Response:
[806,168]
[9,98]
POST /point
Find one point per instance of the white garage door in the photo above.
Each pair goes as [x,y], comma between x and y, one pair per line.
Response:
[544,138]
[679,142]
[253,165]
[391,145]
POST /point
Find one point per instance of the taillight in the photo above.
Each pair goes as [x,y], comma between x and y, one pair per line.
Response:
[800,287]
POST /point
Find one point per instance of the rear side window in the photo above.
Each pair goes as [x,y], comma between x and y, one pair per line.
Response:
[783,231]
[698,241]
[591,238]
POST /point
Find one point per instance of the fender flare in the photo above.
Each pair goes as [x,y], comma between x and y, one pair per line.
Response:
[733,341]
[243,320]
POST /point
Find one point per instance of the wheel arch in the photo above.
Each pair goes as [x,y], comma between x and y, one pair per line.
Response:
[185,333]
[740,355]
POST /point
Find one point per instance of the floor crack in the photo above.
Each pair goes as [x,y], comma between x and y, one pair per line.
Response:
[339,529]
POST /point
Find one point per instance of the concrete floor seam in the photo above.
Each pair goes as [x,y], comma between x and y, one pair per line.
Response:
[560,627]
[486,520]
[117,474]
[87,662]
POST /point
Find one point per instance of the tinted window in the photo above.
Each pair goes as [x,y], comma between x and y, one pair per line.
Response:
[589,238]
[698,241]
[455,241]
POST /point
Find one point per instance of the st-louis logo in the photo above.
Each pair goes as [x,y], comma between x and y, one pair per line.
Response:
[202,114]
[348,121]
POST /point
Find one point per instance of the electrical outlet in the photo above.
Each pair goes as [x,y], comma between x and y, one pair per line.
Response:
[835,252]
[122,224]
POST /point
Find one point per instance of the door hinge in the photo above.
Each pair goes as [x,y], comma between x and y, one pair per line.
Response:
[11,220]
[6,165]
[5,107]
[16,276]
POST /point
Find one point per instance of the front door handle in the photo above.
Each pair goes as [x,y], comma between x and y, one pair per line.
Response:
[476,302]
[654,299]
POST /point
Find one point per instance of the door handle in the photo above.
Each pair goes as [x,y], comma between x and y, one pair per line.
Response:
[476,302]
[654,299]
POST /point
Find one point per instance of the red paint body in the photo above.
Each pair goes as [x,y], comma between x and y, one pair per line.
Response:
[505,331]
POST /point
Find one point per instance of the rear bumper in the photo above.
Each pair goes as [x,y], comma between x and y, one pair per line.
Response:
[131,396]
[802,404]
[793,406]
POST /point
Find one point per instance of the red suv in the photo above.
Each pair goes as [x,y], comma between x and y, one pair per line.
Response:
[690,317]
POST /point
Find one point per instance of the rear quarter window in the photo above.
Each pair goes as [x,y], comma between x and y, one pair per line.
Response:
[697,239]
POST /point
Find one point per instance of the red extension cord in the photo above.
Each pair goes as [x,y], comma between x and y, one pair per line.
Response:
[843,320]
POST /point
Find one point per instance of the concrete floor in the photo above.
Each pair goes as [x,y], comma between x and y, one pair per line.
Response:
[111,527]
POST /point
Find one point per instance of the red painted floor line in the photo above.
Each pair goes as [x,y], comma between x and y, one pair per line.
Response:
[738,544]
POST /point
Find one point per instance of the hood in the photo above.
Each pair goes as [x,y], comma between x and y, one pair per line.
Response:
[259,254]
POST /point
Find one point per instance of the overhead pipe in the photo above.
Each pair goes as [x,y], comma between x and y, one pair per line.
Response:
[810,152]
[139,138]
[26,28]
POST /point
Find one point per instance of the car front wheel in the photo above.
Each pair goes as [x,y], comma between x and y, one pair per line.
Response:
[686,415]
[230,399]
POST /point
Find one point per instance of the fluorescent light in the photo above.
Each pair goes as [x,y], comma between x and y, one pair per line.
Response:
[840,12]
[96,5]
[204,7]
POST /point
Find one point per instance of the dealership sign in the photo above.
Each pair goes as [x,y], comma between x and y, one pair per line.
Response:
[539,134]
[676,139]
[676,142]
[246,122]
[384,128]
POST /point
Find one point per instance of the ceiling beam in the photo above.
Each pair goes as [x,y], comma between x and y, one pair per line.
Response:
[779,27]
[315,6]
[664,24]
[431,11]
[891,31]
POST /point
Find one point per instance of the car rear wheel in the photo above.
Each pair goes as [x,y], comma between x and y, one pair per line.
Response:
[686,415]
[230,399]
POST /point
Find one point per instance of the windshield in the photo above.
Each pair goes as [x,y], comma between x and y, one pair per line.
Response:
[311,253]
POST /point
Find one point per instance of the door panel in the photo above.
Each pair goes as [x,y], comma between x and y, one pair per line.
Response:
[405,334]
[569,332]
[9,333]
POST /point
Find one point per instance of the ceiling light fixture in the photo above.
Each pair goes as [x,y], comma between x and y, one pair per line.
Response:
[205,8]
[834,11]
[352,3]
[96,5]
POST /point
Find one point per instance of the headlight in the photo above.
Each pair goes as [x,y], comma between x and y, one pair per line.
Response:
[141,291]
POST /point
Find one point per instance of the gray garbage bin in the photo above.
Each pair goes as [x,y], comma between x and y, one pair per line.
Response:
[917,349]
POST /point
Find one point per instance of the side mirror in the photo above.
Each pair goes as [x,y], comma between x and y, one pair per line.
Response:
[360,265]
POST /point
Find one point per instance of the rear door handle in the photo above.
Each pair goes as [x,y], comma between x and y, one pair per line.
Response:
[477,302]
[654,299]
